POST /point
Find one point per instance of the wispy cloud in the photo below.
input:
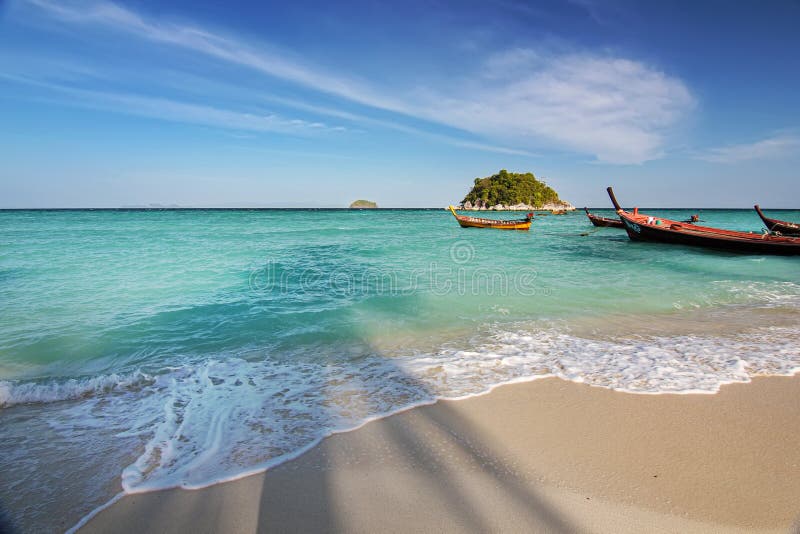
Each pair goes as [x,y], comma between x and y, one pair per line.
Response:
[770,148]
[204,86]
[235,121]
[176,111]
[616,109]
[214,45]
[605,12]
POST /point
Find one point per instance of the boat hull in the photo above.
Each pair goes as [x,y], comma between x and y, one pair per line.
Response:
[604,222]
[775,225]
[655,229]
[477,222]
[503,226]
[757,245]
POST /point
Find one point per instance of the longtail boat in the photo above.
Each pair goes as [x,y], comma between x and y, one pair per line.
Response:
[642,227]
[603,221]
[478,222]
[774,225]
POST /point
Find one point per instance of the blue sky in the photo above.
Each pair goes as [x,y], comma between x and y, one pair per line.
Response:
[318,103]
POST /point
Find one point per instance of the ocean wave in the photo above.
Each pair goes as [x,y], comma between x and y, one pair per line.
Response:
[766,294]
[202,422]
[22,392]
[772,293]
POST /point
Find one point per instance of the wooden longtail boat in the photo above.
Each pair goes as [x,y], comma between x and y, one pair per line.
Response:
[478,222]
[774,225]
[648,228]
[603,221]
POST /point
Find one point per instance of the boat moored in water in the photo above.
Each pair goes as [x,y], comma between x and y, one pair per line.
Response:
[467,221]
[642,227]
[775,225]
[603,221]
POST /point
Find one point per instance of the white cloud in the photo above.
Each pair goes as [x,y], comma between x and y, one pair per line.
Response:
[615,109]
[769,148]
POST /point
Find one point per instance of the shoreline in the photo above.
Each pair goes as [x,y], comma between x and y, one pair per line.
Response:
[491,457]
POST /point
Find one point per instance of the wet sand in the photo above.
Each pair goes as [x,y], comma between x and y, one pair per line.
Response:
[543,456]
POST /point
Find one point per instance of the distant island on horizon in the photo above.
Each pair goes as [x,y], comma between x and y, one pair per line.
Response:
[363,204]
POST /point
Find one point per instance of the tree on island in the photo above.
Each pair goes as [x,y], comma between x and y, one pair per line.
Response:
[510,189]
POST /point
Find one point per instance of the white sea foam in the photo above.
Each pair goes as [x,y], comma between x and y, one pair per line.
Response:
[215,420]
[226,415]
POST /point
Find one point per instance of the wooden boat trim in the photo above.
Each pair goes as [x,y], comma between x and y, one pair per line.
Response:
[775,225]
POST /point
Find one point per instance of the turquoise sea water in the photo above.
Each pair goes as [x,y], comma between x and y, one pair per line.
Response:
[149,349]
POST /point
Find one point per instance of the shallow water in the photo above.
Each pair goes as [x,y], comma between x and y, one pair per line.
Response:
[188,347]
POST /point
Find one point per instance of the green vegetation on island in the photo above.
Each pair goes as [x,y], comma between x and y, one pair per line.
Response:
[511,189]
[363,204]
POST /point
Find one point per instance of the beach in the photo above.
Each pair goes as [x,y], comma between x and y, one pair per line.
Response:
[234,342]
[368,267]
[546,456]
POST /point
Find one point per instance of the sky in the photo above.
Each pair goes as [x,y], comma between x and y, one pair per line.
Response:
[289,104]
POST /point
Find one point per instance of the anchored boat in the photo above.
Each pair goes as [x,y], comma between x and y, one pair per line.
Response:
[774,225]
[603,221]
[642,227]
[479,222]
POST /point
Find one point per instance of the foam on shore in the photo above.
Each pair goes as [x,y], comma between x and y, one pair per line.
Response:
[205,422]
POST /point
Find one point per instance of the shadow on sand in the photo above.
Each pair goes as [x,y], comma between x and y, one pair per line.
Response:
[424,469]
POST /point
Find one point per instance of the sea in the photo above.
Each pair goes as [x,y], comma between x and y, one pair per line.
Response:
[149,349]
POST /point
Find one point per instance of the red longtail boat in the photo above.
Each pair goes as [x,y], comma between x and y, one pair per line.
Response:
[642,227]
[774,225]
[603,221]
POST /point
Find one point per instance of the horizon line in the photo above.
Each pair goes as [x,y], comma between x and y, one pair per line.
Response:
[335,208]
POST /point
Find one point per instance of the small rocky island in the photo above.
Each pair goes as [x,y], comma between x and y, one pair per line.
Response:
[363,204]
[513,191]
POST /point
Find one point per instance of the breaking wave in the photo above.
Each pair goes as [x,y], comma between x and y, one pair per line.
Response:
[20,392]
